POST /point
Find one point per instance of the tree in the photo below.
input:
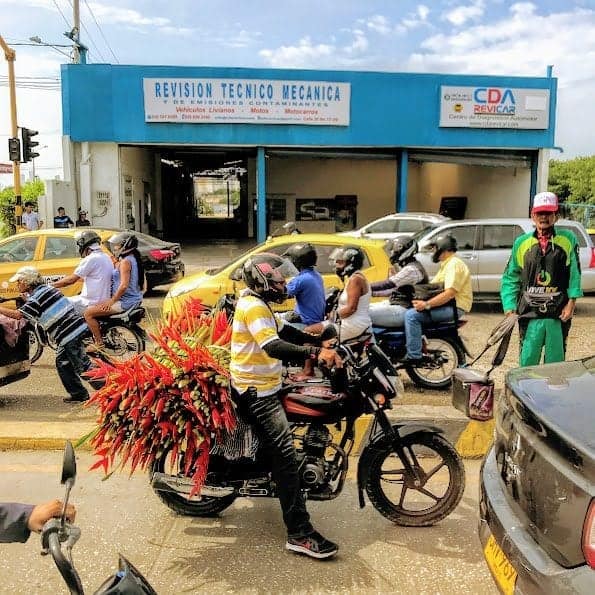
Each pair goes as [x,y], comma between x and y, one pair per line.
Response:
[30,191]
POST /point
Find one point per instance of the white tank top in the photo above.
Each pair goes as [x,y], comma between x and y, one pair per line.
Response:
[360,320]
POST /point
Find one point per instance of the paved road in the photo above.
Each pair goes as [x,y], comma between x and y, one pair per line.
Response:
[242,551]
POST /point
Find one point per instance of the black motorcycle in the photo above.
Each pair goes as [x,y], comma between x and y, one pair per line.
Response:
[123,337]
[411,473]
[127,581]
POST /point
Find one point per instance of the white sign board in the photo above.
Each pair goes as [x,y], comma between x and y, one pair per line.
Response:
[494,107]
[246,101]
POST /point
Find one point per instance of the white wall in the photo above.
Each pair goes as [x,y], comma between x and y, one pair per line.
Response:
[136,173]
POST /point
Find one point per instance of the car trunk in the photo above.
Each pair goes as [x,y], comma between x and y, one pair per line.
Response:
[545,452]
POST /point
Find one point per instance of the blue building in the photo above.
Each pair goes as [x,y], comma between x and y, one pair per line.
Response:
[236,152]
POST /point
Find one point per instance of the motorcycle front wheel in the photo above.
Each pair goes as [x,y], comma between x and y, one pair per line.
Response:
[445,356]
[122,342]
[393,490]
[35,345]
[201,506]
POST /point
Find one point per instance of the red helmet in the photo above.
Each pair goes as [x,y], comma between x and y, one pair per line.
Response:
[265,275]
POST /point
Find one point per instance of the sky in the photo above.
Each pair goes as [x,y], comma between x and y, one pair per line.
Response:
[493,37]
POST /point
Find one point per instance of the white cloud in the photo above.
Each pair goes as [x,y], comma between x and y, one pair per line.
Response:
[414,19]
[304,54]
[379,24]
[518,45]
[360,43]
[461,14]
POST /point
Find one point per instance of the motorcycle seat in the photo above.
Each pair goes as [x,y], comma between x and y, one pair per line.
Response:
[136,312]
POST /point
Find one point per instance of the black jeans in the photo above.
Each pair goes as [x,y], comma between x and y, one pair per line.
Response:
[71,362]
[269,418]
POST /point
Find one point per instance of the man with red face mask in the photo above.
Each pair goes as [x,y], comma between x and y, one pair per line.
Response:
[543,279]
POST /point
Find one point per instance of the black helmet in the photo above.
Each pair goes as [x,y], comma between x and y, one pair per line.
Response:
[351,256]
[302,255]
[122,243]
[403,250]
[443,242]
[265,275]
[86,238]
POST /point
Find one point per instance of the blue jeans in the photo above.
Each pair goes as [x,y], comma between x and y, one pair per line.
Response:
[71,362]
[414,322]
[269,419]
[387,315]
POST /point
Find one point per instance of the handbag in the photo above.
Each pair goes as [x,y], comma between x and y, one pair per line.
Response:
[543,305]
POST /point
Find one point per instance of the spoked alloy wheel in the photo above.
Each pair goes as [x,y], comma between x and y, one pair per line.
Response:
[392,489]
[203,506]
[437,375]
[121,342]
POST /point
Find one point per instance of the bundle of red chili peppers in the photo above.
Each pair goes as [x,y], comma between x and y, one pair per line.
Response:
[173,400]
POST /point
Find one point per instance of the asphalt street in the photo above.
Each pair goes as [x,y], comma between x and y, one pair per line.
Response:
[242,550]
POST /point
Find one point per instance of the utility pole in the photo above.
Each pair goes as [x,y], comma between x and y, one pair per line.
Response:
[76,30]
[10,56]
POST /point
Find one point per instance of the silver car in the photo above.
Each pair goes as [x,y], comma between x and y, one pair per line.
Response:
[485,245]
[397,225]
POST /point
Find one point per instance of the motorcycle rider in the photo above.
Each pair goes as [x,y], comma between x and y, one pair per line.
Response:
[308,289]
[454,274]
[95,270]
[260,340]
[18,520]
[411,272]
[128,283]
[354,301]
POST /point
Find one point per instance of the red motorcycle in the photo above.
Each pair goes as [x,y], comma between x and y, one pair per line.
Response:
[411,473]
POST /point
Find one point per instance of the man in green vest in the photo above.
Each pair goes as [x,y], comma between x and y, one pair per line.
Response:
[543,280]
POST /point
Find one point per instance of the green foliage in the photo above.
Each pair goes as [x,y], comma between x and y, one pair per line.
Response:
[30,191]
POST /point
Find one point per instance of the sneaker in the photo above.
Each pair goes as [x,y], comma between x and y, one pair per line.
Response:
[313,545]
[74,399]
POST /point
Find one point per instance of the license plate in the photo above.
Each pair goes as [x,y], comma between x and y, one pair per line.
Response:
[503,571]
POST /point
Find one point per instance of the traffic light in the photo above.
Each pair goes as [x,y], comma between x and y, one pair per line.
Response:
[28,144]
[14,149]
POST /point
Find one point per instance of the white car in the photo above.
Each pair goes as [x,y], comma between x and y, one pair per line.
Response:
[485,245]
[397,225]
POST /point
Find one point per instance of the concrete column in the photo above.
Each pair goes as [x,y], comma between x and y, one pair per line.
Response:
[261,194]
[540,165]
[86,180]
[402,171]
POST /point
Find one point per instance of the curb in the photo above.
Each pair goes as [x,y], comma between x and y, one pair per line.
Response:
[472,439]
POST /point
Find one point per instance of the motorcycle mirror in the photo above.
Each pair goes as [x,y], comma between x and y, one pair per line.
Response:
[68,465]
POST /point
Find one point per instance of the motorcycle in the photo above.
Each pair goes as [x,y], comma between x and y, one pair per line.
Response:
[127,580]
[411,473]
[123,337]
[443,347]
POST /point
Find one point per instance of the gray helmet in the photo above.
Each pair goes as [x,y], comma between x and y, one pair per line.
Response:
[352,257]
[122,243]
[403,250]
[443,242]
[86,238]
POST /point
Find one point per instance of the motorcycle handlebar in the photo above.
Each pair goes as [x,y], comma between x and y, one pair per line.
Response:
[51,538]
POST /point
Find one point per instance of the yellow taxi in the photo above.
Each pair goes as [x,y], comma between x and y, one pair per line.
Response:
[52,251]
[211,284]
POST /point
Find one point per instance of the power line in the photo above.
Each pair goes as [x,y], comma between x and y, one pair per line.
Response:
[60,11]
[101,32]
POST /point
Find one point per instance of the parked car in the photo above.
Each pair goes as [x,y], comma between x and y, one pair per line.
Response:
[211,284]
[537,488]
[397,225]
[485,245]
[55,254]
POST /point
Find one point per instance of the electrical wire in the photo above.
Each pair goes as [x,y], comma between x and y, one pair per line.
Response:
[101,32]
[60,11]
[90,37]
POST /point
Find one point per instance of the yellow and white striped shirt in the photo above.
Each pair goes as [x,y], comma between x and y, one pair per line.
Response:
[254,325]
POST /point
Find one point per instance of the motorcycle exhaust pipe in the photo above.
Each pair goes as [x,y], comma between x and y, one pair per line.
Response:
[161,482]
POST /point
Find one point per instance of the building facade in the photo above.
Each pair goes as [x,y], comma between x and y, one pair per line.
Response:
[236,152]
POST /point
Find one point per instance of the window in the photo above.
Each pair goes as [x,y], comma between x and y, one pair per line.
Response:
[463,234]
[500,237]
[18,250]
[324,264]
[60,247]
[384,226]
[578,234]
[411,225]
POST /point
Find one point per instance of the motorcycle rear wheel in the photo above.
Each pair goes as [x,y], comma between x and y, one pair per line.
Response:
[438,378]
[389,483]
[201,506]
[121,342]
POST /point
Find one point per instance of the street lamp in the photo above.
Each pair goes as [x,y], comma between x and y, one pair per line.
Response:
[37,40]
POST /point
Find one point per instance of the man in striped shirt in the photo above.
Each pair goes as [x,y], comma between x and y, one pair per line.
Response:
[64,327]
[259,341]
